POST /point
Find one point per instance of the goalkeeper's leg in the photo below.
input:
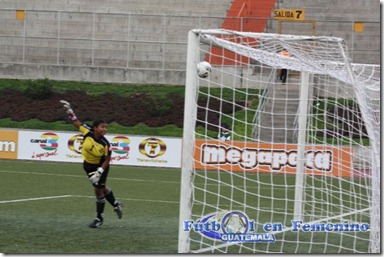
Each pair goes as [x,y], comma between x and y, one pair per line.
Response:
[103,194]
[100,204]
[112,200]
[98,221]
[99,193]
[107,192]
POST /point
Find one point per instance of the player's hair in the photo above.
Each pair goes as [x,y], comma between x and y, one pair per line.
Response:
[97,123]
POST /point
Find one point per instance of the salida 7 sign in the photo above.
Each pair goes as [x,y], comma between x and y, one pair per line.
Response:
[278,158]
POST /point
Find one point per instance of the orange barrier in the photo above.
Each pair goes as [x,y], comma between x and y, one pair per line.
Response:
[243,15]
[277,158]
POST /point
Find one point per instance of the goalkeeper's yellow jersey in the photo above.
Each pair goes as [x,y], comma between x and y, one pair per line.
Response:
[93,150]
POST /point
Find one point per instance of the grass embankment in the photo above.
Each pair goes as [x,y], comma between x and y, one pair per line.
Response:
[243,101]
[94,89]
[157,91]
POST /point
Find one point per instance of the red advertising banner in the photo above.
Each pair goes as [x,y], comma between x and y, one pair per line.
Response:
[277,158]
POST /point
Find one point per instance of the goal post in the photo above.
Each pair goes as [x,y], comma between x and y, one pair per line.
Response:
[300,172]
[302,123]
[188,139]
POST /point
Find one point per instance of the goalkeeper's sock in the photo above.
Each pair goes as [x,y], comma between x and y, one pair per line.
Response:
[110,198]
[100,203]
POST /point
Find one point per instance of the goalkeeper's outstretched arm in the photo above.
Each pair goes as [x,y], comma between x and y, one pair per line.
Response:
[71,114]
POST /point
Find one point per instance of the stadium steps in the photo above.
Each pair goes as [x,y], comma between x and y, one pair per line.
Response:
[277,119]
[253,14]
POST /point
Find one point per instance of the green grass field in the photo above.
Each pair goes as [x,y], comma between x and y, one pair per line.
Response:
[46,208]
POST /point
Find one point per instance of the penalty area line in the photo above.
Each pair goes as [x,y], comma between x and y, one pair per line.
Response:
[35,199]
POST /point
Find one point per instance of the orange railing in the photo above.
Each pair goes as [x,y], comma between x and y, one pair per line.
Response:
[243,15]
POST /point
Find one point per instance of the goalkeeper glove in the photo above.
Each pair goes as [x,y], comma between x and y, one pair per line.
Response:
[67,107]
[95,176]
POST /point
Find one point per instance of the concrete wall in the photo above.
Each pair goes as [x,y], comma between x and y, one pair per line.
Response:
[174,7]
[92,74]
[142,41]
[364,46]
[98,40]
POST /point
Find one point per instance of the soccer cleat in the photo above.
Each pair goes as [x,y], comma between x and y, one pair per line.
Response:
[96,223]
[119,210]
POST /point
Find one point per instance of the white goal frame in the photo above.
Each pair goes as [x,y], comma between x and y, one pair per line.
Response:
[190,115]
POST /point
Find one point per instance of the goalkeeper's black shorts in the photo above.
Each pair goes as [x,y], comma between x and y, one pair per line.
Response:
[89,167]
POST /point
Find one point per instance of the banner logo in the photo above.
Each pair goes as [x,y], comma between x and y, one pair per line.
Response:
[75,143]
[152,147]
[276,159]
[49,143]
[120,145]
[323,160]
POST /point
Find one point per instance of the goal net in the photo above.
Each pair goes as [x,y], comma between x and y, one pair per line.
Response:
[281,146]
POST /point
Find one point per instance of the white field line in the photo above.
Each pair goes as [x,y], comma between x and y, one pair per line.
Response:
[83,196]
[35,199]
[129,179]
[133,199]
[84,176]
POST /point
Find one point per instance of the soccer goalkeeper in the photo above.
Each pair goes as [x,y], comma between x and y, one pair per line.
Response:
[97,155]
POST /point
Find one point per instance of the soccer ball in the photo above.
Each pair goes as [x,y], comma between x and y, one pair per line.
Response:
[235,224]
[204,69]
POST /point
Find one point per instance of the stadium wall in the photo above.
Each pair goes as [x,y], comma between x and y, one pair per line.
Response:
[125,41]
[92,74]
